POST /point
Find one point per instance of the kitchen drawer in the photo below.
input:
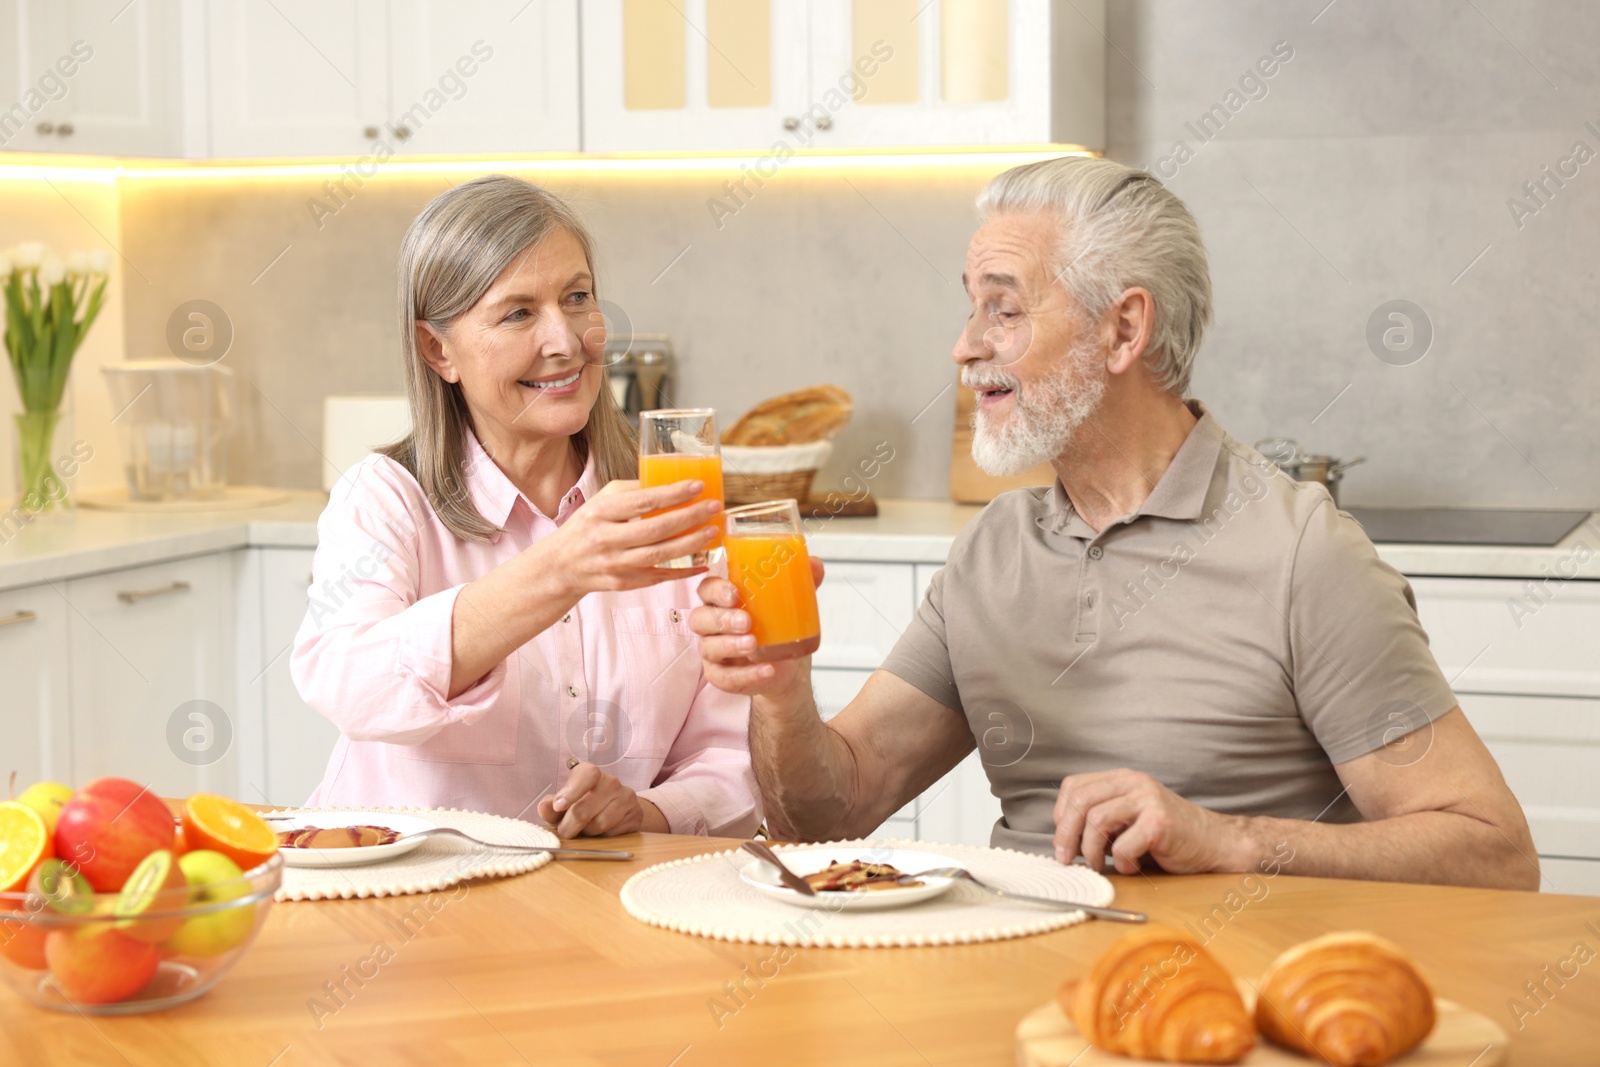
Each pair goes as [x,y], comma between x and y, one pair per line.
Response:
[1492,636]
[1548,749]
[864,608]
[1572,876]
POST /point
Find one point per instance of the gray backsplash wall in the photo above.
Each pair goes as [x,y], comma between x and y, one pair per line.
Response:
[1374,164]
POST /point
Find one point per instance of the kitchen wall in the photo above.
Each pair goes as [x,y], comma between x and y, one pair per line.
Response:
[1383,159]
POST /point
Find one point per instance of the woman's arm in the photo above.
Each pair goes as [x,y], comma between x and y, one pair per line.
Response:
[706,784]
[599,548]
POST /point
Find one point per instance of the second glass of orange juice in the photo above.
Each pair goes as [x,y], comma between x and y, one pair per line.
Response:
[769,565]
[678,445]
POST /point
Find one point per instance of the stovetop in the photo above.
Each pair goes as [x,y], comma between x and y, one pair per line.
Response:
[1467,526]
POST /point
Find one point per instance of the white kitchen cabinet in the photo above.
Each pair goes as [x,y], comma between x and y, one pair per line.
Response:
[298,739]
[757,74]
[864,608]
[92,77]
[34,732]
[490,76]
[959,809]
[1509,636]
[297,77]
[958,72]
[152,672]
[692,74]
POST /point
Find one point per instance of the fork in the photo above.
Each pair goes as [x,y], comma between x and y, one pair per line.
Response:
[1114,914]
[570,853]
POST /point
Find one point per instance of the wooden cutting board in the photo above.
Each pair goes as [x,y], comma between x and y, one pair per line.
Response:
[968,483]
[1047,1038]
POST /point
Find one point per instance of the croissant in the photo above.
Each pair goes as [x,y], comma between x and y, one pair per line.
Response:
[1157,994]
[1352,999]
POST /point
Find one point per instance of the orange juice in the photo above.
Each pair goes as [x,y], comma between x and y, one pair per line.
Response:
[666,468]
[773,575]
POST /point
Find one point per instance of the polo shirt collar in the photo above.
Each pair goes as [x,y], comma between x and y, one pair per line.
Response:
[1181,492]
[495,497]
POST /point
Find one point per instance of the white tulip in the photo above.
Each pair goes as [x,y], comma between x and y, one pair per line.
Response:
[28,254]
[100,261]
[78,263]
[52,271]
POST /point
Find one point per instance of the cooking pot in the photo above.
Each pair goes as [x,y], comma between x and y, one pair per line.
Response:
[1302,467]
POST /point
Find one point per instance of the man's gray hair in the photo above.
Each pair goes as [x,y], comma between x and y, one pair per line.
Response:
[1119,228]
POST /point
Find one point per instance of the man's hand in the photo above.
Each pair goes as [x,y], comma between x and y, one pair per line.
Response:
[594,804]
[726,643]
[1128,814]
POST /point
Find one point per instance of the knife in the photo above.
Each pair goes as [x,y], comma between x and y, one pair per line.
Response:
[761,852]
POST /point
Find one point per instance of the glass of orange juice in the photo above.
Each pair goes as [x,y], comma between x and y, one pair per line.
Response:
[769,565]
[677,445]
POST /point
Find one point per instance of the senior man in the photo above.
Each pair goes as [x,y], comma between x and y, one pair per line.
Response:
[1205,662]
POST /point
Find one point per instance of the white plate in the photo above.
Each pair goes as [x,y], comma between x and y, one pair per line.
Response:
[404,825]
[803,861]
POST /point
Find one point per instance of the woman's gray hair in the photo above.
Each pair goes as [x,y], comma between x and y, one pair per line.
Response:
[1119,228]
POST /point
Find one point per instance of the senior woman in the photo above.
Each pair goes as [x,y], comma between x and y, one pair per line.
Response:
[500,635]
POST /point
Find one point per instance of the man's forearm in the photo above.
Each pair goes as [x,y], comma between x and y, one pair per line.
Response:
[1441,847]
[805,771]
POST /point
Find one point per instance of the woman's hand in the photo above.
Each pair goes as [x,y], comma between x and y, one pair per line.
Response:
[602,549]
[594,804]
[726,644]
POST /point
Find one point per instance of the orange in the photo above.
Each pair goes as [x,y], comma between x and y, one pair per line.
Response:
[22,943]
[24,844]
[228,827]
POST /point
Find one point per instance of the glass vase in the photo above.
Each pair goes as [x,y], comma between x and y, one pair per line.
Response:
[46,467]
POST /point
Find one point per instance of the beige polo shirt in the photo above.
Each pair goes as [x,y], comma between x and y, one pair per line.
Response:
[1235,637]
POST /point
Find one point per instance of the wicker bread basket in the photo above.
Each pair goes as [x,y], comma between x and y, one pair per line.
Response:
[753,474]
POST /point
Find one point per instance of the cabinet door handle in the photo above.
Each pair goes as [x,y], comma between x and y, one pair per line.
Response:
[21,616]
[46,128]
[64,130]
[824,122]
[791,123]
[136,595]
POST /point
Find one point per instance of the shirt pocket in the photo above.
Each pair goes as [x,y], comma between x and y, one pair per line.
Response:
[491,741]
[662,675]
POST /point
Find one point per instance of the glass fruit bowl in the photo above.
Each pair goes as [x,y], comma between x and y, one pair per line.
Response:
[149,947]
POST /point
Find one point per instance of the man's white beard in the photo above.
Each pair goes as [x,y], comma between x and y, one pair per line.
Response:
[1044,417]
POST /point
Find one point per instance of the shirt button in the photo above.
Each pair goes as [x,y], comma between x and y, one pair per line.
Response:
[567,617]
[674,615]
[572,690]
[1095,552]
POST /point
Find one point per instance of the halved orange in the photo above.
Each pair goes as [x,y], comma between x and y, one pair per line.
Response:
[228,827]
[24,844]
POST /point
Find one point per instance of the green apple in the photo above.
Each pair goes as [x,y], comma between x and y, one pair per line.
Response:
[213,878]
[47,798]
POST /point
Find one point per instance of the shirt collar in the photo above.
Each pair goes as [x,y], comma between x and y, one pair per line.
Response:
[495,497]
[1180,493]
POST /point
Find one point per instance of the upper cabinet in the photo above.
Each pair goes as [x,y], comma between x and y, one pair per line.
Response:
[91,77]
[490,76]
[296,77]
[360,77]
[235,79]
[751,74]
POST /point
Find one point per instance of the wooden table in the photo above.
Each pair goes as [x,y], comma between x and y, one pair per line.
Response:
[547,968]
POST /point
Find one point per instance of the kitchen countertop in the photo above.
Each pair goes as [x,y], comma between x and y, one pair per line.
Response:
[55,547]
[548,968]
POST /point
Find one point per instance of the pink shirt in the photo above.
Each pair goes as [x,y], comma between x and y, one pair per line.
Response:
[617,682]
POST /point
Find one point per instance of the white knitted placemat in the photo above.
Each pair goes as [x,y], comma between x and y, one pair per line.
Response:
[437,863]
[704,895]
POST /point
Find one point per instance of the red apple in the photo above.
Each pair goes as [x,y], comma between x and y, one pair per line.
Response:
[108,827]
[94,964]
